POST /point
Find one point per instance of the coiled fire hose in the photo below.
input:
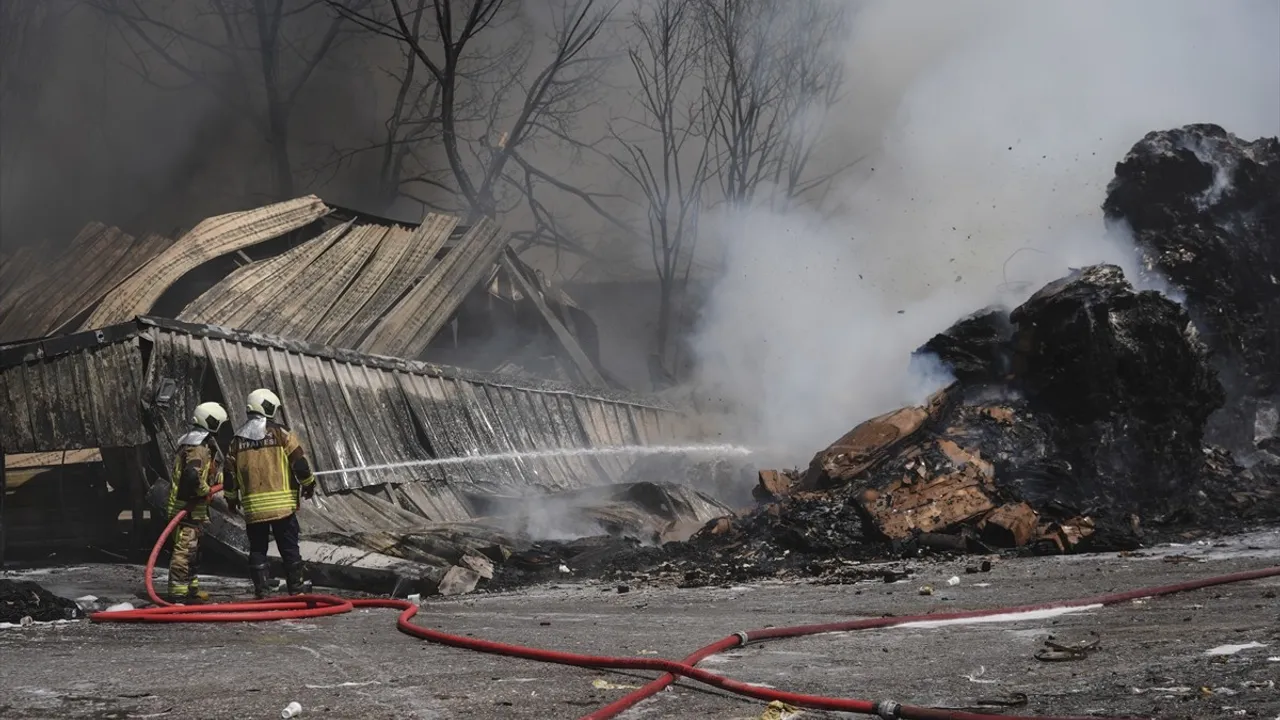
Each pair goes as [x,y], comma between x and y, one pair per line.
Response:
[310,606]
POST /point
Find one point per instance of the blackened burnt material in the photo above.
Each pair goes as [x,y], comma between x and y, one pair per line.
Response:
[1126,381]
[22,598]
[1204,207]
[976,348]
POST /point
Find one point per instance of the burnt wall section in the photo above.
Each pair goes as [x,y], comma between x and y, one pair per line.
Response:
[78,391]
[356,411]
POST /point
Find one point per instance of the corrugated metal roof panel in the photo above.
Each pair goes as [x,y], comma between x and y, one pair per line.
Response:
[30,277]
[212,238]
[237,289]
[332,288]
[538,472]
[308,295]
[269,299]
[419,254]
[439,423]
[138,255]
[79,400]
[38,297]
[14,269]
[600,423]
[392,244]
[346,415]
[44,295]
[414,321]
[348,512]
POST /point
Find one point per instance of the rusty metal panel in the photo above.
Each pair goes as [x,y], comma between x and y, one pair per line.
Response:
[212,238]
[427,240]
[414,321]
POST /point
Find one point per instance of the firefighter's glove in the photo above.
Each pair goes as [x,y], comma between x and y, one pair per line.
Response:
[233,506]
[309,491]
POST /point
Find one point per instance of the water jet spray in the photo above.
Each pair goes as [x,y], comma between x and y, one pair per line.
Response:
[714,450]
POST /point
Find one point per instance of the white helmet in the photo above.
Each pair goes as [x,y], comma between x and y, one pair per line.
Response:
[209,416]
[263,402]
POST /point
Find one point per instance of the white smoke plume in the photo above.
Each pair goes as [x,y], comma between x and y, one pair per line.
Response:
[994,127]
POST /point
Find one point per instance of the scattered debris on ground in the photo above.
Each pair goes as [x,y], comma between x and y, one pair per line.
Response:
[23,601]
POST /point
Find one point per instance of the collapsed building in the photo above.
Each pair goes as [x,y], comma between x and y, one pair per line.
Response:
[1095,415]
[334,310]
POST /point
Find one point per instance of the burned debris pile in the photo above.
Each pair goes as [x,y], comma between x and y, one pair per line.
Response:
[20,599]
[1094,416]
[1204,209]
[1076,423]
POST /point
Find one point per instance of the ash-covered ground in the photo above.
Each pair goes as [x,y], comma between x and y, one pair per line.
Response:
[1153,657]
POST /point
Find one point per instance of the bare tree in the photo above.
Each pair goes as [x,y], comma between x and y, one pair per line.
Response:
[256,56]
[495,92]
[666,150]
[771,66]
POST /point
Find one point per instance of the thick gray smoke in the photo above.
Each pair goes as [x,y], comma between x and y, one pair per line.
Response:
[993,127]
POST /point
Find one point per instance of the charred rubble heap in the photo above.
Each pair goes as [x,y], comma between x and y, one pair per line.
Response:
[1204,209]
[1078,420]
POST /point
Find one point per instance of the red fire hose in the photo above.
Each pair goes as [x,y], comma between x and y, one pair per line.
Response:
[308,606]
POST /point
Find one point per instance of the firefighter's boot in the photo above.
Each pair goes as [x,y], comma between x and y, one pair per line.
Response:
[259,574]
[295,578]
[194,594]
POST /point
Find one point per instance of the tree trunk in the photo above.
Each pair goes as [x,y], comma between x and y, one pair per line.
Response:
[660,372]
[281,167]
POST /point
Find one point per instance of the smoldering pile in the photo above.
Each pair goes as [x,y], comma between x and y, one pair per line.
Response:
[21,599]
[1078,420]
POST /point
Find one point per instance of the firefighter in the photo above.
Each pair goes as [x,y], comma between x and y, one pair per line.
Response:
[198,460]
[267,470]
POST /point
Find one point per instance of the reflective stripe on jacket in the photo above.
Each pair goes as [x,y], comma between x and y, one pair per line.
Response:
[260,475]
[203,459]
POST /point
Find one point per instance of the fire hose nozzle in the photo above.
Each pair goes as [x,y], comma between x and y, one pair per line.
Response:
[887,709]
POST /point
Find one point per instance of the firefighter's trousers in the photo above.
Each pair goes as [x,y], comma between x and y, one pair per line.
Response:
[183,561]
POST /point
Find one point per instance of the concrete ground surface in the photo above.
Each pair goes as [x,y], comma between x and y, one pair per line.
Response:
[1152,659]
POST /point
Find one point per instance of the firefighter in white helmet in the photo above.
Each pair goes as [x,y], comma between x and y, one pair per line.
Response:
[199,461]
[267,470]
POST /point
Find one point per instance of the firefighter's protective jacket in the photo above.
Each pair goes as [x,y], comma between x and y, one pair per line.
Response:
[266,467]
[198,459]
